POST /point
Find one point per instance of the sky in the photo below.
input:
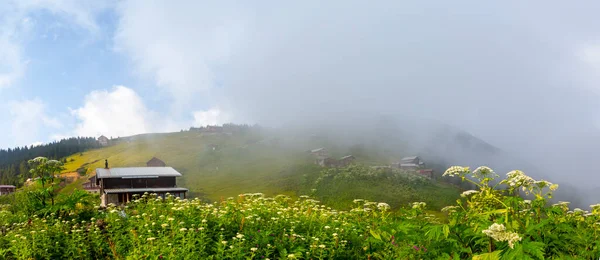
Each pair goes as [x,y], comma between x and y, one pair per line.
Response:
[521,75]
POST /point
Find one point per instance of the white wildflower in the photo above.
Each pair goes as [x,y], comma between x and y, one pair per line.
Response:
[483,171]
[383,206]
[498,232]
[468,192]
[456,171]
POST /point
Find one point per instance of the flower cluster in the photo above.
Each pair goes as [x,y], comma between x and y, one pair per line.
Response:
[517,178]
[419,205]
[468,193]
[498,232]
[484,172]
[456,171]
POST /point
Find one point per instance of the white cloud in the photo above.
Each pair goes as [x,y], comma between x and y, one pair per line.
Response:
[28,117]
[122,112]
[118,112]
[179,46]
[213,116]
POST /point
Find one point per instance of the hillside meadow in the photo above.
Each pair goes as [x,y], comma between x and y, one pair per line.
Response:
[254,161]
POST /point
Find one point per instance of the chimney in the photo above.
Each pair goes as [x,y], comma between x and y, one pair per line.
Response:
[105,164]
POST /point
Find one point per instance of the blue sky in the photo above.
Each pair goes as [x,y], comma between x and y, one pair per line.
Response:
[61,52]
[520,75]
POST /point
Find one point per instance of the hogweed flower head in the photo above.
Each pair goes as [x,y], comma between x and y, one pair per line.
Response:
[498,232]
[383,206]
[484,172]
[517,178]
[449,209]
[418,205]
[468,192]
[456,171]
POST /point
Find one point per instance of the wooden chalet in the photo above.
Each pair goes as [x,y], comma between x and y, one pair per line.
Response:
[155,162]
[326,162]
[319,152]
[91,185]
[346,160]
[410,163]
[118,185]
[7,189]
[103,140]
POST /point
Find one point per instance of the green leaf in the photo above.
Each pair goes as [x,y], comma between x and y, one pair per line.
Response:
[488,256]
[386,236]
[375,235]
[446,231]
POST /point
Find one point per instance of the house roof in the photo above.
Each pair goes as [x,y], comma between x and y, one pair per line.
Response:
[317,150]
[142,190]
[102,137]
[136,172]
[7,186]
[347,157]
[154,159]
[409,158]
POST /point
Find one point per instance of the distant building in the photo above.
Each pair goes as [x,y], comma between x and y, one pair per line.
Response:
[103,140]
[119,185]
[319,152]
[410,163]
[155,162]
[346,160]
[7,189]
[326,162]
[211,130]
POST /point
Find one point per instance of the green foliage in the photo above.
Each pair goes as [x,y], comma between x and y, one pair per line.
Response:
[44,171]
[339,186]
[491,222]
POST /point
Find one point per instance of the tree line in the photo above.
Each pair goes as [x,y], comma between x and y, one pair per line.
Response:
[14,169]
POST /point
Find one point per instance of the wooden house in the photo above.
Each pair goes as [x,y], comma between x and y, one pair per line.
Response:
[319,152]
[91,185]
[326,162]
[103,140]
[119,185]
[7,189]
[410,163]
[346,160]
[155,162]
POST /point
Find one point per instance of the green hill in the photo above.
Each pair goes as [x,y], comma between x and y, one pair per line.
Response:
[266,162]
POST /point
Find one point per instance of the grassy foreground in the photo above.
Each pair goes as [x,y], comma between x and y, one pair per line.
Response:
[487,223]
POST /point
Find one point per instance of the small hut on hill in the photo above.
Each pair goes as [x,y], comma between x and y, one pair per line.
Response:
[155,162]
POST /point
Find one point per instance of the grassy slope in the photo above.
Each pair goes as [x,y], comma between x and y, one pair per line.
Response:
[242,165]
